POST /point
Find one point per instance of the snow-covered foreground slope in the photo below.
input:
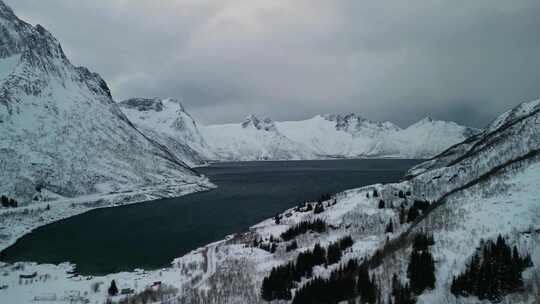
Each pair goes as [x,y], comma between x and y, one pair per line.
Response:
[65,143]
[478,189]
[343,136]
[166,121]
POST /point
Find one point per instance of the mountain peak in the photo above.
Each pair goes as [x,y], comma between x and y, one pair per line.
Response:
[427,119]
[143,104]
[355,122]
[265,124]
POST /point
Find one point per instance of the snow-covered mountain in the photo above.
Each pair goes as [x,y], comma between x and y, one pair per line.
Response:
[61,132]
[166,121]
[342,136]
[253,139]
[471,193]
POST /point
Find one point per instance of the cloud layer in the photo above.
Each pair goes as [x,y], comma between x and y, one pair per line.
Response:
[387,60]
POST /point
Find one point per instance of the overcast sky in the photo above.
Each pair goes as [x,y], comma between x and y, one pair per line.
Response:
[458,60]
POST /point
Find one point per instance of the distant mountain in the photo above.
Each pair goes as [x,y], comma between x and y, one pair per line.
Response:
[60,130]
[334,136]
[323,136]
[166,121]
[253,139]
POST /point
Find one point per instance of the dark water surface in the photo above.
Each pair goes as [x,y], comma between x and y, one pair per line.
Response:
[150,235]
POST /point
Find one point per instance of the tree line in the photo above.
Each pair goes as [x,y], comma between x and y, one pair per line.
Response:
[492,273]
[281,280]
[8,202]
[349,281]
[317,225]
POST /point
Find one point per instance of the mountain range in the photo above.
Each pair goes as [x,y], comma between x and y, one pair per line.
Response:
[321,137]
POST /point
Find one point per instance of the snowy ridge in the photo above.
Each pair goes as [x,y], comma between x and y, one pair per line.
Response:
[353,136]
[323,136]
[166,121]
[254,139]
[336,136]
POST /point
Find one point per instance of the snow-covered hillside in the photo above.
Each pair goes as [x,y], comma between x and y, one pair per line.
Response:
[64,142]
[475,191]
[324,136]
[166,121]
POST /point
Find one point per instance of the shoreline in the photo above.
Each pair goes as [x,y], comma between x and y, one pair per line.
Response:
[23,220]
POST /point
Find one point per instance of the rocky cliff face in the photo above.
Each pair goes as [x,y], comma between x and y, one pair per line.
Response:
[60,129]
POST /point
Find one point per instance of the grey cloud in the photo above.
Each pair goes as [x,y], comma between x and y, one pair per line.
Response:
[400,60]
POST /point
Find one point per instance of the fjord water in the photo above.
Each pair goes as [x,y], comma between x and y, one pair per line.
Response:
[150,235]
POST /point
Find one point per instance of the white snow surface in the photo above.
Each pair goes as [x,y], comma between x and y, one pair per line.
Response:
[331,136]
[254,139]
[166,121]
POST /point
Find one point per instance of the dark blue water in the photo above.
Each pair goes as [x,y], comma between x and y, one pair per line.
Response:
[150,235]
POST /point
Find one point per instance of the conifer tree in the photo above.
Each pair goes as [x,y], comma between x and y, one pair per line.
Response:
[113,289]
[5,201]
[421,269]
[493,272]
[390,227]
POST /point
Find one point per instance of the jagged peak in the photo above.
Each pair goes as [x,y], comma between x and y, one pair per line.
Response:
[156,104]
[431,120]
[174,101]
[355,121]
[143,104]
[427,119]
[266,124]
[343,117]
[94,81]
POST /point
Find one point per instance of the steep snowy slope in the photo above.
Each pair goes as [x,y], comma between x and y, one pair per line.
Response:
[166,121]
[428,137]
[254,139]
[60,130]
